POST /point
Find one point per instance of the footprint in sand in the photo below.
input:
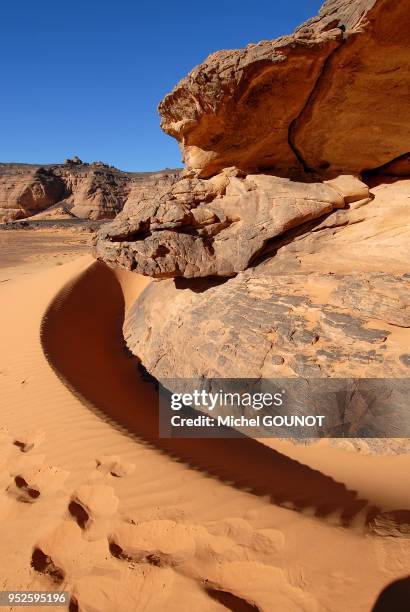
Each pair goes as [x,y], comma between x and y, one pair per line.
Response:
[32,483]
[150,589]
[162,543]
[114,465]
[29,440]
[93,507]
[168,543]
[268,541]
[64,554]
[215,559]
[241,585]
[158,554]
[31,478]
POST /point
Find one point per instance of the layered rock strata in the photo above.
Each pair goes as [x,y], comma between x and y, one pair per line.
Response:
[216,227]
[79,190]
[26,190]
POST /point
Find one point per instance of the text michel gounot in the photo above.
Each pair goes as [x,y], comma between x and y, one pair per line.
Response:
[243,421]
[257,401]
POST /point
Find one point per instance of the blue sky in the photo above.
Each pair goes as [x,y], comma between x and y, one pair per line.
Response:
[85,77]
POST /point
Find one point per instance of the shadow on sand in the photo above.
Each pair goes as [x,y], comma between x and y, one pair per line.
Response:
[82,339]
[395,597]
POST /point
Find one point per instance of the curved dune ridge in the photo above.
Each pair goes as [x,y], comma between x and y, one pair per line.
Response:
[83,326]
[95,502]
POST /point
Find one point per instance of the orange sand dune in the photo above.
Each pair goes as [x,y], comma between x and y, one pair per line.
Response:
[121,394]
[95,503]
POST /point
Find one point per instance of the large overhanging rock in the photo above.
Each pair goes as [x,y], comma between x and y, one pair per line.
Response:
[215,227]
[358,116]
[274,138]
[258,127]
[332,97]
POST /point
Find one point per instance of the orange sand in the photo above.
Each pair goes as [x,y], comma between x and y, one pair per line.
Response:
[93,502]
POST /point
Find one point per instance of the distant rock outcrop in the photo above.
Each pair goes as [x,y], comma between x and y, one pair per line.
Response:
[93,191]
[85,191]
[26,190]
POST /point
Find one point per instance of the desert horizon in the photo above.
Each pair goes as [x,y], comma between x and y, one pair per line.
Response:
[204,369]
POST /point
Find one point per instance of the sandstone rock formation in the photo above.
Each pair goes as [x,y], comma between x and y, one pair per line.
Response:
[85,191]
[321,306]
[304,270]
[93,191]
[25,190]
[333,96]
[216,227]
[236,117]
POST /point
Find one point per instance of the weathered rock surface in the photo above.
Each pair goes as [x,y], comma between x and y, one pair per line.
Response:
[94,191]
[331,97]
[398,167]
[85,191]
[275,108]
[366,237]
[275,138]
[257,325]
[358,116]
[317,306]
[25,190]
[216,227]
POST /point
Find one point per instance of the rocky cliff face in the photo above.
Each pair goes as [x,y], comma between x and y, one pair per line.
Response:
[293,208]
[85,191]
[26,190]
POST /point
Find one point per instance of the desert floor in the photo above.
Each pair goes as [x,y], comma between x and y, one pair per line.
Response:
[94,503]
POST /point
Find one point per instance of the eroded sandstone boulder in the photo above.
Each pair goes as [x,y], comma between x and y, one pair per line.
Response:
[331,97]
[270,133]
[257,325]
[216,227]
[333,301]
